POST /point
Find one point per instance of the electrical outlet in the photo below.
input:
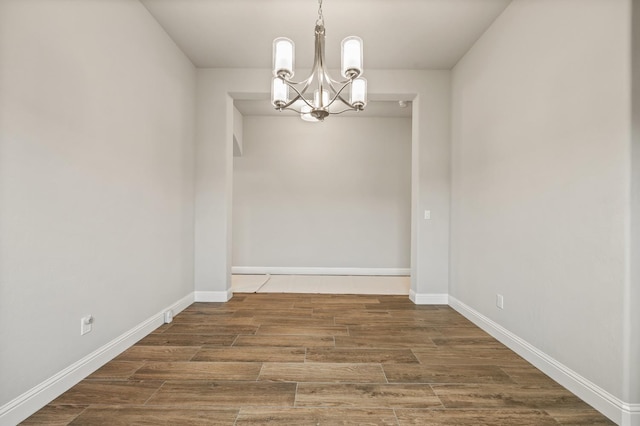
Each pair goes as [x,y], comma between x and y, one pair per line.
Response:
[499,301]
[86,324]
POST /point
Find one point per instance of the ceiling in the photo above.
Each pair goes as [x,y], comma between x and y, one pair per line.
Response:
[397,34]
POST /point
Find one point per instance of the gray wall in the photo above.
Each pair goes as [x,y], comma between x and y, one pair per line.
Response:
[96,179]
[540,198]
[332,194]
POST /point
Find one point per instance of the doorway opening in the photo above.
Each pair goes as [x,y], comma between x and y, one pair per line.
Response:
[322,207]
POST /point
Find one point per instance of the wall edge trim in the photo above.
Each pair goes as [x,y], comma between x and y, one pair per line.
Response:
[40,395]
[213,296]
[428,299]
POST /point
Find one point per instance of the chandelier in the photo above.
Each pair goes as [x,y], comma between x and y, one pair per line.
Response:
[318,95]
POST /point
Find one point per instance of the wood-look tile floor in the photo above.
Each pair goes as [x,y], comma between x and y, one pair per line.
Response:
[313,359]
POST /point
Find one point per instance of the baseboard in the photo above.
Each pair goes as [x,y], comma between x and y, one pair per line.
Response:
[615,409]
[31,401]
[428,299]
[631,415]
[285,270]
[213,296]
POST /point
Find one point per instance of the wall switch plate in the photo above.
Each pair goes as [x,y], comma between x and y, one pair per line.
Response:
[86,324]
[499,301]
[427,214]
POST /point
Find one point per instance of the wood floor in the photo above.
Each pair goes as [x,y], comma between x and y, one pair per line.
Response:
[311,359]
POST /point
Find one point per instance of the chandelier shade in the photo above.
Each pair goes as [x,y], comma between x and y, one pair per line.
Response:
[351,57]
[283,60]
[319,95]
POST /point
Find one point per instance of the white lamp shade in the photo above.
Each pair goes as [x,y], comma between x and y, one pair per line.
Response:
[359,92]
[283,57]
[319,102]
[279,92]
[351,57]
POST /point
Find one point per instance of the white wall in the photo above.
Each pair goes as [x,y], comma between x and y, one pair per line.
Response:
[96,179]
[429,178]
[540,199]
[331,194]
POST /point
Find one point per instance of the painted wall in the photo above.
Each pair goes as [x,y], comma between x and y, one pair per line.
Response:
[332,194]
[632,297]
[540,198]
[430,146]
[96,179]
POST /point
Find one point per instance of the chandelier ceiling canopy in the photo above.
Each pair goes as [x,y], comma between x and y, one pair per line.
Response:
[319,95]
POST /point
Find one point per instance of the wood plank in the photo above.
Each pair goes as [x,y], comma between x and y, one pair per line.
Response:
[322,372]
[287,341]
[366,396]
[104,392]
[54,415]
[116,370]
[212,329]
[526,374]
[146,416]
[170,339]
[383,342]
[316,416]
[392,356]
[439,417]
[310,321]
[225,394]
[251,354]
[213,371]
[468,342]
[477,356]
[579,417]
[506,396]
[303,330]
[158,353]
[406,373]
[416,332]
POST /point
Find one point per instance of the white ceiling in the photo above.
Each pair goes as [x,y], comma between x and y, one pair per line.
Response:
[397,34]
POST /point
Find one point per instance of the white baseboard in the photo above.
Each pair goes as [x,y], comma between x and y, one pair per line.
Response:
[284,270]
[428,299]
[31,401]
[620,412]
[213,296]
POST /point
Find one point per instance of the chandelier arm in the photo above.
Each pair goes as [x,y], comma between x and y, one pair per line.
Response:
[298,97]
[338,95]
[306,81]
[290,109]
[344,101]
[344,110]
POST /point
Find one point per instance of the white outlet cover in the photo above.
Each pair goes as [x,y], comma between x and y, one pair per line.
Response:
[86,325]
